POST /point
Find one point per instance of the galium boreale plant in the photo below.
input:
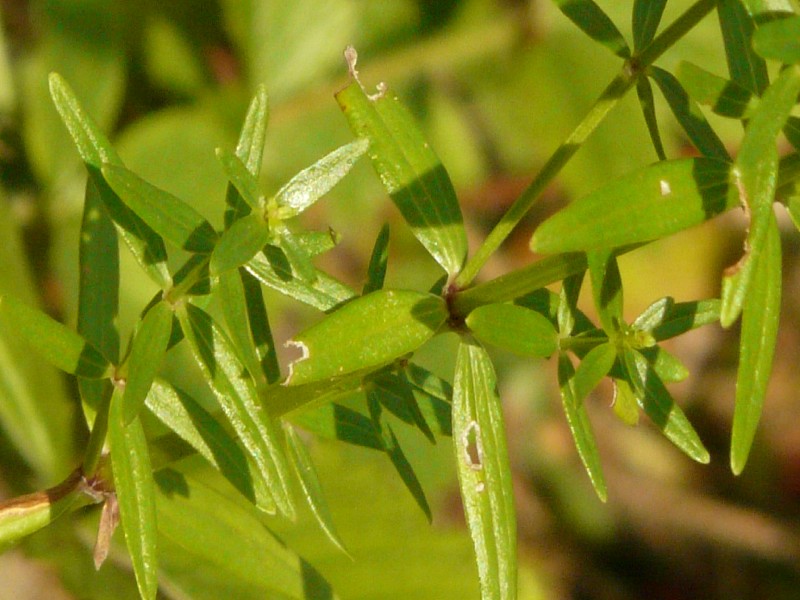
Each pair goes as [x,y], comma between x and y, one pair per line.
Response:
[364,345]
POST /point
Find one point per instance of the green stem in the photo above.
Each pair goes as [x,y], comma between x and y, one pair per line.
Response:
[631,71]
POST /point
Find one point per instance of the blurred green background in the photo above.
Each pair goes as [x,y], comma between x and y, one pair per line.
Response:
[496,86]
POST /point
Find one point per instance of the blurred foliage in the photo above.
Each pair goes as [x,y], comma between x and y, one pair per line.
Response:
[496,85]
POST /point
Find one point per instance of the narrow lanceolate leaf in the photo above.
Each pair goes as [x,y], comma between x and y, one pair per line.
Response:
[579,425]
[394,393]
[310,184]
[756,347]
[95,150]
[645,93]
[725,97]
[779,40]
[244,239]
[484,473]
[646,18]
[410,171]
[133,482]
[595,23]
[666,319]
[272,268]
[248,324]
[756,175]
[242,179]
[591,370]
[148,349]
[370,331]
[606,289]
[658,404]
[20,517]
[746,68]
[378,262]
[689,115]
[249,150]
[197,427]
[336,422]
[56,343]
[170,217]
[312,488]
[236,393]
[666,365]
[648,204]
[514,328]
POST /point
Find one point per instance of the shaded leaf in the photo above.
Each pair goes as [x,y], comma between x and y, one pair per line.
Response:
[394,393]
[310,184]
[646,18]
[484,472]
[591,19]
[410,171]
[56,343]
[378,261]
[745,66]
[376,329]
[668,319]
[514,328]
[147,350]
[756,347]
[133,483]
[689,115]
[666,365]
[648,204]
[645,93]
[236,394]
[606,289]
[170,217]
[242,180]
[578,419]
[337,422]
[725,97]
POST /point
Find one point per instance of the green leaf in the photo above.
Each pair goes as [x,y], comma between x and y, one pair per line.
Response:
[369,331]
[299,260]
[606,289]
[648,204]
[779,40]
[315,243]
[484,472]
[215,547]
[725,97]
[394,393]
[593,367]
[578,421]
[312,488]
[756,347]
[756,179]
[336,422]
[244,239]
[378,261]
[410,171]
[249,150]
[689,115]
[659,405]
[248,324]
[567,304]
[197,427]
[133,483]
[515,328]
[591,19]
[666,319]
[745,66]
[242,179]
[170,217]
[147,351]
[310,184]
[625,403]
[95,150]
[646,18]
[666,365]
[236,394]
[273,270]
[56,343]
[645,93]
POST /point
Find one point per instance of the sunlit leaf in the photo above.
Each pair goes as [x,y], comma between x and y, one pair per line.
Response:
[147,351]
[236,394]
[133,483]
[377,328]
[336,422]
[484,472]
[648,204]
[197,427]
[56,343]
[756,347]
[745,66]
[310,184]
[606,289]
[593,367]
[779,40]
[244,239]
[625,404]
[410,171]
[725,97]
[595,23]
[242,180]
[515,328]
[666,365]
